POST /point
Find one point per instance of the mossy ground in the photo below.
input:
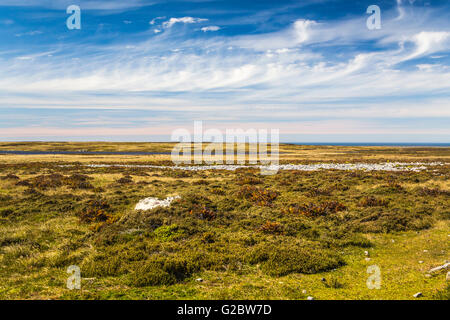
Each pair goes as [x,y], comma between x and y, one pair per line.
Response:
[246,235]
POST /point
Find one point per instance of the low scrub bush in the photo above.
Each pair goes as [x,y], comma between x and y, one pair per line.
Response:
[280,261]
[168,233]
[319,192]
[356,240]
[201,182]
[125,180]
[333,283]
[260,196]
[218,191]
[433,192]
[371,201]
[196,205]
[271,228]
[56,180]
[96,211]
[251,180]
[203,212]
[315,210]
[391,222]
[10,176]
[103,266]
[162,271]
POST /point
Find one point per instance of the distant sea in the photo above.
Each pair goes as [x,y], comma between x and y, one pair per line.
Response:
[371,144]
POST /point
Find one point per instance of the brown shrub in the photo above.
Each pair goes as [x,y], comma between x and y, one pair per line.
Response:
[125,180]
[56,180]
[78,181]
[218,191]
[260,196]
[96,211]
[208,237]
[251,180]
[10,176]
[203,212]
[315,210]
[371,201]
[271,228]
[433,192]
[395,186]
[201,182]
[23,183]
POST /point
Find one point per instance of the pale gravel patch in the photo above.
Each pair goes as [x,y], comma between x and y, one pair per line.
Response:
[388,166]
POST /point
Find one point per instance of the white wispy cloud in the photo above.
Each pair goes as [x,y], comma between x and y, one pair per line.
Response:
[429,42]
[210,28]
[29,33]
[154,20]
[172,21]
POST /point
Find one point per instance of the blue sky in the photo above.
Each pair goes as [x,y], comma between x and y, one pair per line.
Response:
[139,69]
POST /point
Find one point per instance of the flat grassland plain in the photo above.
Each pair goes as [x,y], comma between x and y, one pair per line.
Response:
[231,234]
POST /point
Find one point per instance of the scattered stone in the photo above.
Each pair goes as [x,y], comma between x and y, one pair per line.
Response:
[310,298]
[323,280]
[418,295]
[425,250]
[448,276]
[367,259]
[392,240]
[439,268]
[420,261]
[428,275]
[199,280]
[366,253]
[304,291]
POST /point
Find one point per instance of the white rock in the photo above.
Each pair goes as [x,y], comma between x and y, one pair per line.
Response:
[199,280]
[366,253]
[310,298]
[443,267]
[367,259]
[151,203]
[304,291]
[418,295]
[448,276]
[420,261]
